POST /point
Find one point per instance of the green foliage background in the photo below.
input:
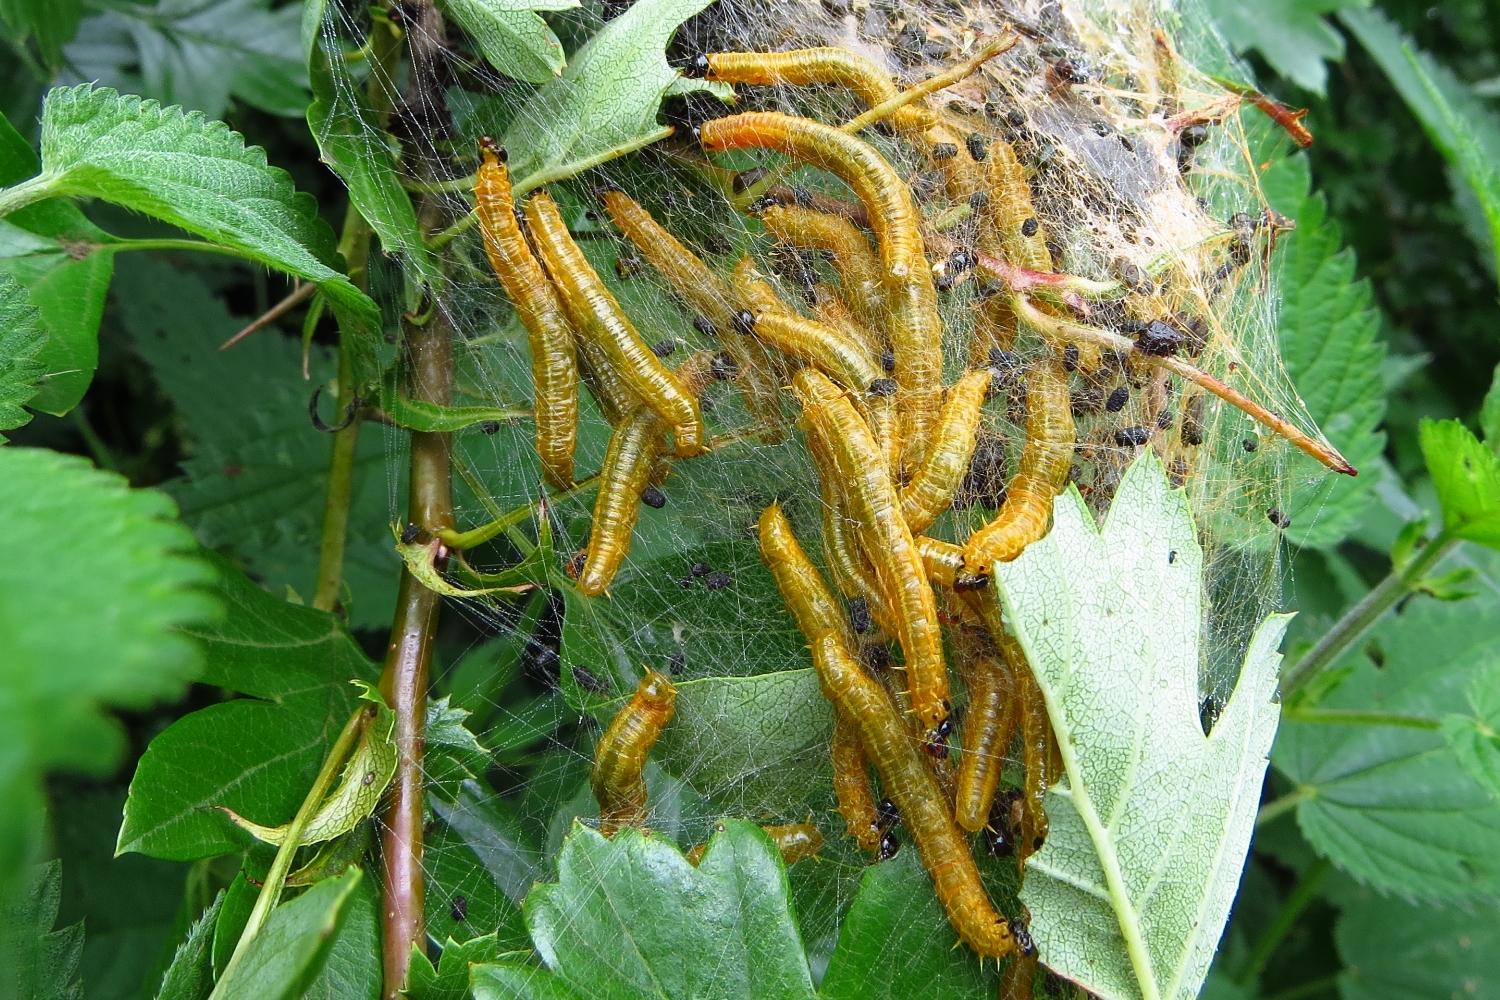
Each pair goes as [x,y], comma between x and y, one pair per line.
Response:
[1390,316]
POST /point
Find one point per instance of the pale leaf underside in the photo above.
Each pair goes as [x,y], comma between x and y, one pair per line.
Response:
[1150,830]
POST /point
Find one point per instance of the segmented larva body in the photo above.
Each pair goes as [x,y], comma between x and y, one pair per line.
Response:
[1045,461]
[904,775]
[554,370]
[887,542]
[628,465]
[621,753]
[802,67]
[857,266]
[794,841]
[832,351]
[893,217]
[916,331]
[989,723]
[944,563]
[852,572]
[707,293]
[1038,754]
[598,318]
[809,601]
[830,306]
[851,783]
[995,327]
[931,489]
[1009,213]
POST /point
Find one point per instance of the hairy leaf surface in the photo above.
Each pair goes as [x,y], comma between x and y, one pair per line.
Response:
[1389,804]
[21,339]
[96,578]
[199,175]
[1150,829]
[1466,476]
[512,37]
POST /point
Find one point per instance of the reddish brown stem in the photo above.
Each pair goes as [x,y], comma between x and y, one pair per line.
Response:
[430,507]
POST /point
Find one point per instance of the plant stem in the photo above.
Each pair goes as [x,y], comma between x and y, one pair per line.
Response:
[1311,989]
[1366,613]
[28,192]
[1349,717]
[429,506]
[355,246]
[270,890]
[201,246]
[1286,803]
[1302,894]
[95,443]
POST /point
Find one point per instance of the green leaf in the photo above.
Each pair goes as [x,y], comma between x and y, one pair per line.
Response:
[416,415]
[463,901]
[191,975]
[1291,34]
[353,145]
[256,755]
[1463,128]
[760,742]
[512,37]
[605,102]
[1489,413]
[133,906]
[352,968]
[65,264]
[197,54]
[896,942]
[53,23]
[483,821]
[1388,804]
[1466,476]
[200,176]
[39,963]
[452,753]
[631,918]
[21,339]
[95,579]
[1395,950]
[450,980]
[1472,737]
[1147,796]
[289,952]
[1329,333]
[257,477]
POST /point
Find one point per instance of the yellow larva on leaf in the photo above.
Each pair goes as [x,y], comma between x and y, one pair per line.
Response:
[934,482]
[628,465]
[621,753]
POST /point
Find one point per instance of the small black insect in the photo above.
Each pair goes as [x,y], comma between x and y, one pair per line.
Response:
[490,427]
[653,498]
[889,845]
[1101,128]
[676,663]
[887,814]
[1117,399]
[1251,444]
[1193,136]
[1132,437]
[888,361]
[588,681]
[663,349]
[744,323]
[718,581]
[458,907]
[860,618]
[700,569]
[1070,358]
[977,148]
[944,151]
[936,743]
[1192,422]
[723,367]
[979,200]
[1171,557]
[1278,517]
[705,326]
[628,266]
[1030,226]
[882,387]
[1024,944]
[1160,339]
[410,534]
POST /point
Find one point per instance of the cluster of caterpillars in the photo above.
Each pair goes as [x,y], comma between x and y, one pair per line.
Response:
[892,444]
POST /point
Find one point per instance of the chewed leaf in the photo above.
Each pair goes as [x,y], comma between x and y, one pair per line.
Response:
[369,770]
[1150,829]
